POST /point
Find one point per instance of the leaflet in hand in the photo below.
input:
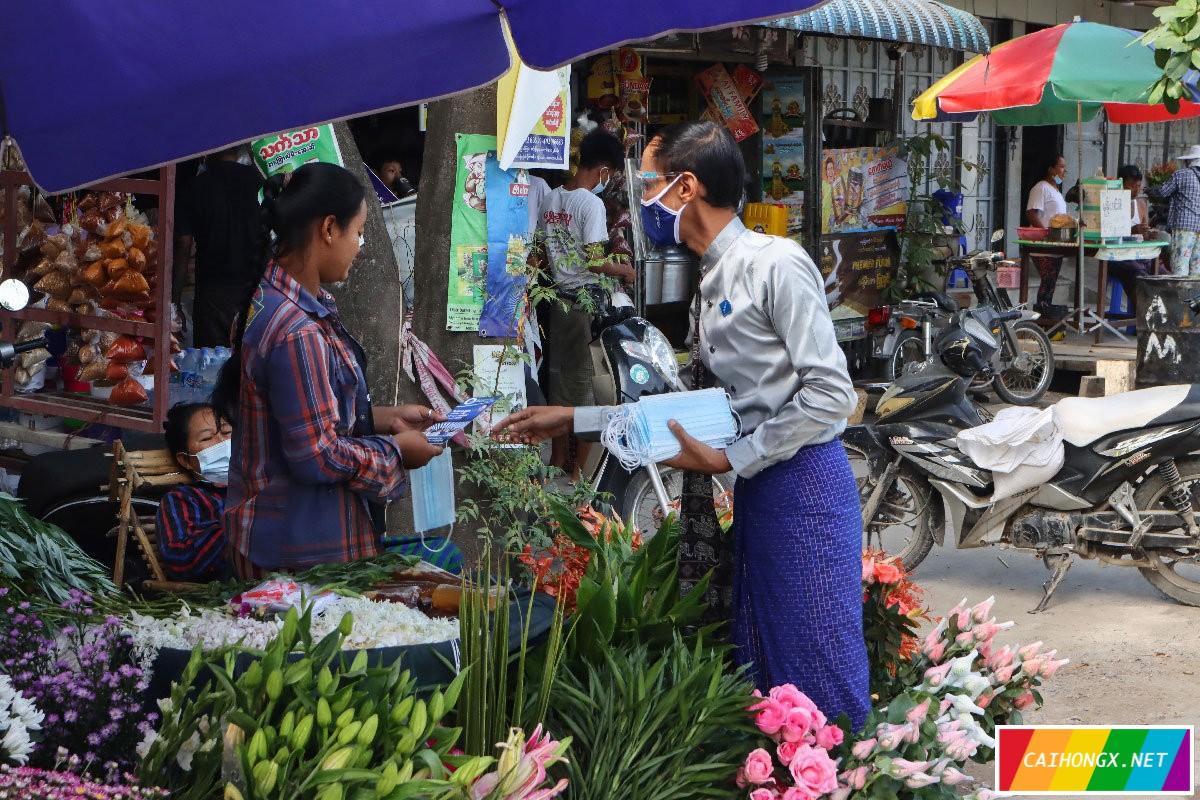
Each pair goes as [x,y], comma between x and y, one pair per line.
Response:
[458,418]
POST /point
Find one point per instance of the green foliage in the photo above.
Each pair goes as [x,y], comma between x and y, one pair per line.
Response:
[1176,43]
[40,561]
[628,597]
[665,725]
[305,724]
[923,228]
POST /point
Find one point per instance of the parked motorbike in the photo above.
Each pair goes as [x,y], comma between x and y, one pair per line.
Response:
[632,358]
[1125,494]
[1023,365]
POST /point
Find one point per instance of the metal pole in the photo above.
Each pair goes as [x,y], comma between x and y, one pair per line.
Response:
[1080,265]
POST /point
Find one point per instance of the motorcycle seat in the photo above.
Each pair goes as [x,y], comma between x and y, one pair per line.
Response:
[1086,419]
[944,301]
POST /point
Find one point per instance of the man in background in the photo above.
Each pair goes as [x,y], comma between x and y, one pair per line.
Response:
[219,213]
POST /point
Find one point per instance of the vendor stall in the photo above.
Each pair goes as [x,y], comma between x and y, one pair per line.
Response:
[99,269]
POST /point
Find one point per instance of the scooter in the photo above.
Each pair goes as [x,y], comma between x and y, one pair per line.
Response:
[631,358]
[1125,494]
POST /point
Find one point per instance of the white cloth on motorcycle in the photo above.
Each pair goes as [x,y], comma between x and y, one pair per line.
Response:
[1022,447]
[1086,419]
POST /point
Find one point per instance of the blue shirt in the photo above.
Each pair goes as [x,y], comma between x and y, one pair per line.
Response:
[1183,190]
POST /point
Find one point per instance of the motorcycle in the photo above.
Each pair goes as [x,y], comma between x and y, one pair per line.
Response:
[1125,494]
[631,358]
[1023,366]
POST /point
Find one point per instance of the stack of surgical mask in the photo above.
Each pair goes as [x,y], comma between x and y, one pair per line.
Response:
[637,433]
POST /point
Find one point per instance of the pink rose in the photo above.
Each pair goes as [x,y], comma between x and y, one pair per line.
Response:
[770,717]
[797,793]
[799,723]
[862,750]
[814,771]
[981,611]
[985,698]
[1029,651]
[789,696]
[920,780]
[829,737]
[935,675]
[1050,666]
[763,794]
[786,752]
[887,573]
[918,713]
[759,767]
[892,736]
[1004,674]
[951,776]
[937,652]
[1024,701]
[1001,658]
[902,767]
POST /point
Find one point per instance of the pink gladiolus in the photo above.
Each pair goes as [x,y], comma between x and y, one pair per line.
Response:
[862,750]
[902,767]
[920,780]
[856,778]
[952,776]
[829,736]
[1024,701]
[521,768]
[763,794]
[814,771]
[771,717]
[1029,651]
[983,610]
[786,752]
[918,713]
[759,767]
[935,675]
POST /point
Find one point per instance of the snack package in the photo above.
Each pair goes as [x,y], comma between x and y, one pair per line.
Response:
[126,349]
[116,372]
[128,393]
[94,370]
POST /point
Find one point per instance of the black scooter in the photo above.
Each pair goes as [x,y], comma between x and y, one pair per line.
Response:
[1126,493]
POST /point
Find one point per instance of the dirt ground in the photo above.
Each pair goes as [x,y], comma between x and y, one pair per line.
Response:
[1134,653]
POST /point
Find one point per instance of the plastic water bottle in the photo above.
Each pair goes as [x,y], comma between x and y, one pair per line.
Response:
[190,376]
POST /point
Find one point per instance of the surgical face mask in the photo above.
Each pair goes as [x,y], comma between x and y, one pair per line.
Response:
[1057,181]
[660,223]
[637,434]
[600,187]
[432,488]
[362,240]
[214,462]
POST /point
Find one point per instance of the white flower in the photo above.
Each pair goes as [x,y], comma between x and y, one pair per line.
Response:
[18,716]
[187,750]
[143,747]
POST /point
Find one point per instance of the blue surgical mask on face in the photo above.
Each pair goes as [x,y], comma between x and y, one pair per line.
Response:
[214,462]
[660,223]
[432,488]
[600,187]
[1057,181]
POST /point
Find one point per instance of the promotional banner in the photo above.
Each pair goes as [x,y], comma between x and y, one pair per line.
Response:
[718,88]
[468,233]
[286,151]
[863,188]
[507,250]
[499,372]
[783,166]
[857,268]
[532,118]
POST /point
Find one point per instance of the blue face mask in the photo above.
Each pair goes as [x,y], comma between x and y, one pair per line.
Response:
[1057,181]
[214,462]
[600,187]
[432,488]
[660,223]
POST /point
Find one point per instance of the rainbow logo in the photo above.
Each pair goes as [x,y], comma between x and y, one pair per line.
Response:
[1120,759]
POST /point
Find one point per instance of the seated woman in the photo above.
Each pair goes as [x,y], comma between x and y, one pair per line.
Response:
[191,536]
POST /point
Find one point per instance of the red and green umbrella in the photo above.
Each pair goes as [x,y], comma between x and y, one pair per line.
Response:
[1054,76]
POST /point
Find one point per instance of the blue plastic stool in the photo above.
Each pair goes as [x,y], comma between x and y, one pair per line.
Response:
[1118,304]
[955,275]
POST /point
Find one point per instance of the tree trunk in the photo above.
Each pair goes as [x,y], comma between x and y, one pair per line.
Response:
[371,300]
[474,112]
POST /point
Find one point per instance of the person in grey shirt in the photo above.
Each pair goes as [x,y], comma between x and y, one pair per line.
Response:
[767,338]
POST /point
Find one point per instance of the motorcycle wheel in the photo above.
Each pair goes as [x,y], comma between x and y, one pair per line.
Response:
[901,526]
[1029,372]
[640,504]
[910,350]
[1175,573]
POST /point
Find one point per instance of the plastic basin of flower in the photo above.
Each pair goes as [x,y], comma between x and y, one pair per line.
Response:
[430,664]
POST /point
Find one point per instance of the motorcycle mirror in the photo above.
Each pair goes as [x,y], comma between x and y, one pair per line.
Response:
[14,295]
[997,235]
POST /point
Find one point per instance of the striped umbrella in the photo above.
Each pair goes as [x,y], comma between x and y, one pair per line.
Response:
[1054,76]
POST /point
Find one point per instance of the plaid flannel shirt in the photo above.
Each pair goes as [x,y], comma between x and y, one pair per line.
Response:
[1183,190]
[306,467]
[191,537]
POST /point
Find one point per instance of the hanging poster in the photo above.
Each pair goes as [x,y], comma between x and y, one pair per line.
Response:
[717,87]
[507,249]
[862,189]
[499,372]
[531,114]
[783,166]
[286,151]
[468,233]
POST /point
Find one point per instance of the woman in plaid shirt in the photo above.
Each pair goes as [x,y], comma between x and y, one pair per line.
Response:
[313,463]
